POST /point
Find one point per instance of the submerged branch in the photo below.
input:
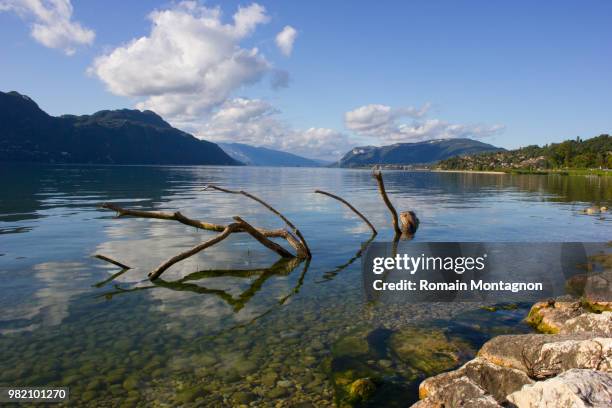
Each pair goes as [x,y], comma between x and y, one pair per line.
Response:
[342,200]
[295,230]
[110,260]
[200,247]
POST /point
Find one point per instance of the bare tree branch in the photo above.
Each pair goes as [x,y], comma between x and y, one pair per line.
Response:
[262,239]
[342,200]
[110,260]
[381,188]
[200,247]
[269,207]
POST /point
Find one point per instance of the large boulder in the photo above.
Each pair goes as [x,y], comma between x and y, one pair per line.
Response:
[600,323]
[459,392]
[576,388]
[495,380]
[542,356]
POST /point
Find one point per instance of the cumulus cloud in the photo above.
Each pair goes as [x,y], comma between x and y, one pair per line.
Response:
[256,122]
[285,40]
[51,23]
[189,63]
[386,125]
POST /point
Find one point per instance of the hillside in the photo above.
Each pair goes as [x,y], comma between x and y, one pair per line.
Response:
[594,153]
[28,134]
[413,153]
[261,156]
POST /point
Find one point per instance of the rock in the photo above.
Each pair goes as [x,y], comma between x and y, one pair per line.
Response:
[243,397]
[362,389]
[600,323]
[245,367]
[459,392]
[269,379]
[592,210]
[550,316]
[131,383]
[427,351]
[385,363]
[491,378]
[539,354]
[277,392]
[574,388]
[189,394]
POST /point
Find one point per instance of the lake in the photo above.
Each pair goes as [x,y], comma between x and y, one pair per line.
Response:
[232,326]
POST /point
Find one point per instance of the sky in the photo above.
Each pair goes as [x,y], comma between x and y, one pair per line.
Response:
[317,78]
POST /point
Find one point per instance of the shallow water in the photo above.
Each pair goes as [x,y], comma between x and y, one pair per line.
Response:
[252,336]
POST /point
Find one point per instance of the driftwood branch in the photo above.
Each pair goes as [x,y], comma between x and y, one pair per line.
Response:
[177,216]
[342,200]
[198,248]
[262,239]
[269,207]
[407,223]
[112,261]
[381,188]
[160,215]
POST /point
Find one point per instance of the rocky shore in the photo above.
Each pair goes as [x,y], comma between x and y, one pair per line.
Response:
[569,366]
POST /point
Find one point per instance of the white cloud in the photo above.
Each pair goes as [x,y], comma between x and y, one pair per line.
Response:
[384,124]
[255,122]
[285,40]
[51,23]
[189,63]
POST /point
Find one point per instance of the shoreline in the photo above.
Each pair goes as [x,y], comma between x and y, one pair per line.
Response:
[468,171]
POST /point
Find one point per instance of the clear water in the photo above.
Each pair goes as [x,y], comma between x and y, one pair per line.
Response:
[246,335]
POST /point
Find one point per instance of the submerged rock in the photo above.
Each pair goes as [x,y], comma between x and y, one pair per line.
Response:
[362,389]
[427,351]
[576,388]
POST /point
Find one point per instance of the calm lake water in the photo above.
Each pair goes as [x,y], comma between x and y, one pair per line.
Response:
[223,328]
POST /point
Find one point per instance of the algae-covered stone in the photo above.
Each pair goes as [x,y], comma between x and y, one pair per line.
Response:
[189,394]
[269,379]
[362,389]
[244,397]
[428,351]
[131,383]
[550,316]
[277,392]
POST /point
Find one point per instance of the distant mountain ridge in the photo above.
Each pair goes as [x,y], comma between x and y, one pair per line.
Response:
[28,134]
[426,152]
[261,156]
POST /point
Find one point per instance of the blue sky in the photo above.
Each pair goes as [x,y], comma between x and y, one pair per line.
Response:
[511,73]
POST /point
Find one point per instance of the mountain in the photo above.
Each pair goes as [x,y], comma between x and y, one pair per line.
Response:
[261,156]
[28,134]
[570,154]
[413,153]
